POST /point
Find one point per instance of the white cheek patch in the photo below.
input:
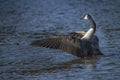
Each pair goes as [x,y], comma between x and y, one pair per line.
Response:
[86,17]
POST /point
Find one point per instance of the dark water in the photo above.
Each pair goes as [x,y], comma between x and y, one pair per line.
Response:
[22,21]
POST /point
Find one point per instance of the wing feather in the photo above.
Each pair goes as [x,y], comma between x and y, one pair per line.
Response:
[66,43]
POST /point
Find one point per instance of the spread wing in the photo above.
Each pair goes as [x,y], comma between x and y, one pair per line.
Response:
[66,43]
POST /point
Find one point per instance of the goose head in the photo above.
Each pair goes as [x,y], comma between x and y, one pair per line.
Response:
[87,16]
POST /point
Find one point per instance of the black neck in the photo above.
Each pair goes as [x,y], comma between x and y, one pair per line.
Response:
[93,23]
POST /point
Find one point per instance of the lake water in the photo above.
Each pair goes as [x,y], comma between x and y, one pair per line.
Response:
[23,21]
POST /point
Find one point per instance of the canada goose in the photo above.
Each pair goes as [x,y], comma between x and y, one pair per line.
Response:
[79,43]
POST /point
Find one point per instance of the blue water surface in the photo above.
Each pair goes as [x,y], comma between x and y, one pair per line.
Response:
[22,21]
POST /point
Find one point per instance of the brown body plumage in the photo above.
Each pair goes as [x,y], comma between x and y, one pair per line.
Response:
[80,43]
